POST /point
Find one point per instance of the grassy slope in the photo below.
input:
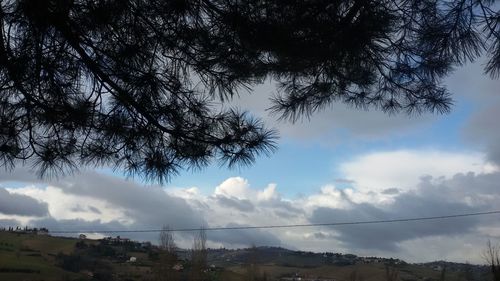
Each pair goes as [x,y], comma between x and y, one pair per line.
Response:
[31,252]
[367,272]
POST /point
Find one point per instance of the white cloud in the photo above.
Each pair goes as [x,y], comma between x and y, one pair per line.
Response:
[403,169]
[234,187]
[269,193]
[329,196]
[238,187]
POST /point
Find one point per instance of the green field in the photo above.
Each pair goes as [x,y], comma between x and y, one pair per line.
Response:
[31,257]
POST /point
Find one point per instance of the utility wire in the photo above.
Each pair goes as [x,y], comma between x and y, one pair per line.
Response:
[282,226]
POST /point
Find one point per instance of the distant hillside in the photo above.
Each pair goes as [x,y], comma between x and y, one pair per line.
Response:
[285,257]
[470,271]
[32,257]
[280,262]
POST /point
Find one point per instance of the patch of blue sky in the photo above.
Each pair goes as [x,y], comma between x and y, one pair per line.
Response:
[294,167]
[301,167]
[20,184]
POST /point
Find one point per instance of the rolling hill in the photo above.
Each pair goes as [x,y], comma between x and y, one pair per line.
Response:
[32,257]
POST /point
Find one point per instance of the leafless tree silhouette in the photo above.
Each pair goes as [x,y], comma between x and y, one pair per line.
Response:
[492,257]
[167,256]
[199,255]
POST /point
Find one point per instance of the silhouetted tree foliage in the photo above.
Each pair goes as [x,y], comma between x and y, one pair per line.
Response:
[138,84]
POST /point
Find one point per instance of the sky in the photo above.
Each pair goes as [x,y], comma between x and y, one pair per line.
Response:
[340,165]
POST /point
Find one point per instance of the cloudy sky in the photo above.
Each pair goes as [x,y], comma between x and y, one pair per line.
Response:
[341,165]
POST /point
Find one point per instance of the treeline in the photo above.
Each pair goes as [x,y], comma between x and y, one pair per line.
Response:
[25,229]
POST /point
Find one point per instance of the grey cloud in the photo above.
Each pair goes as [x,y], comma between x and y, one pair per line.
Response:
[283,214]
[283,206]
[148,206]
[483,93]
[245,237]
[324,236]
[327,122]
[467,84]
[94,210]
[433,198]
[79,208]
[21,205]
[78,225]
[480,189]
[347,181]
[19,174]
[390,191]
[386,236]
[471,83]
[482,129]
[241,205]
[320,235]
[6,223]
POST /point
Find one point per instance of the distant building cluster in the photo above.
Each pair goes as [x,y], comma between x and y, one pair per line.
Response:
[350,259]
[117,241]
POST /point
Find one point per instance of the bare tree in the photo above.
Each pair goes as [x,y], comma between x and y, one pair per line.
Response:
[353,276]
[443,274]
[356,276]
[391,273]
[167,256]
[167,243]
[252,270]
[492,257]
[199,255]
[468,273]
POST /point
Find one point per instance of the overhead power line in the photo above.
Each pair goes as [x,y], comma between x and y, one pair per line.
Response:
[284,225]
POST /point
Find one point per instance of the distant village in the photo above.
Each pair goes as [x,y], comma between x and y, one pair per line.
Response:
[110,241]
[222,254]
